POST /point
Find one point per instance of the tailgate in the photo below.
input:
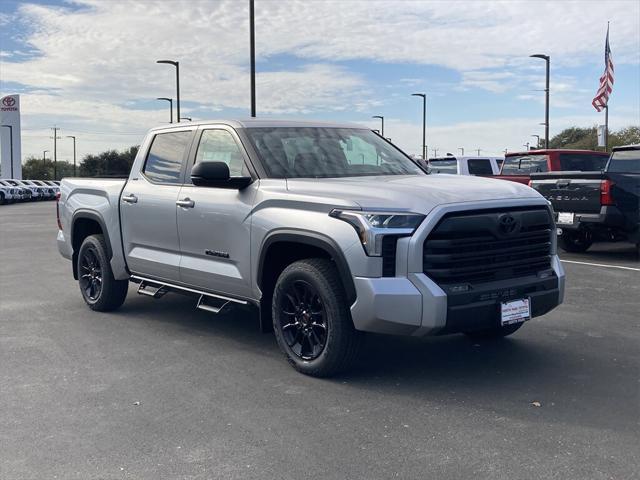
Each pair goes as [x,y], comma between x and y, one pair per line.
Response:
[578,192]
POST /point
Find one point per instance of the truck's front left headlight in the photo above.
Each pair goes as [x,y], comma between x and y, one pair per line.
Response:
[373,226]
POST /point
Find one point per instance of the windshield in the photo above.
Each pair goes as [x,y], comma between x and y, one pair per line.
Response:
[314,152]
[524,164]
[625,161]
[449,165]
[582,162]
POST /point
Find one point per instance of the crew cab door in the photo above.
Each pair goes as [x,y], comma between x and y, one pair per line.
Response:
[214,223]
[148,208]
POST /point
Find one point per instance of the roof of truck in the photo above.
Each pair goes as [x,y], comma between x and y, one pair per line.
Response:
[626,147]
[262,122]
[543,151]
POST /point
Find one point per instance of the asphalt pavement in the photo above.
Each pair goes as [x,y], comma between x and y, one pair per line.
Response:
[158,390]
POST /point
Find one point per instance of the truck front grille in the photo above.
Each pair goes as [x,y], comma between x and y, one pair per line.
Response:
[488,245]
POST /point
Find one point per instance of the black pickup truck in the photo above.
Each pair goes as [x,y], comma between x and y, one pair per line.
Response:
[596,206]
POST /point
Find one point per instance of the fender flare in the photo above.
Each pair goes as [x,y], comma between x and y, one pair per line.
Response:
[313,239]
[89,215]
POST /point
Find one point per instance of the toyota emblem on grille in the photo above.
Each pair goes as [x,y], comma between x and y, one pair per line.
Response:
[508,224]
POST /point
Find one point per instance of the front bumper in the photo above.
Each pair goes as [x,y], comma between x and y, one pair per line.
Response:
[417,306]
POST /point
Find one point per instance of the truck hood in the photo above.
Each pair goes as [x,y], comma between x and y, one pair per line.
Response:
[419,194]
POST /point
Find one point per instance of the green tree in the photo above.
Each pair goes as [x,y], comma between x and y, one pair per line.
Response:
[109,163]
[625,136]
[587,138]
[35,169]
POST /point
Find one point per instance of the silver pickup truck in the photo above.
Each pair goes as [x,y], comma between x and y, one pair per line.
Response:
[327,230]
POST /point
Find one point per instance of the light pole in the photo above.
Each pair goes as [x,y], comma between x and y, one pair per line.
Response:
[177,65]
[10,127]
[547,59]
[252,53]
[537,140]
[170,100]
[44,164]
[186,118]
[424,122]
[382,127]
[74,153]
[479,150]
[461,151]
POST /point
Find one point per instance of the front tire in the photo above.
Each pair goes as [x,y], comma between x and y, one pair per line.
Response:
[311,319]
[99,289]
[576,242]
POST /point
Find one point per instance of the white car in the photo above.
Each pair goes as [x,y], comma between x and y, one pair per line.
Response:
[37,192]
[49,191]
[17,194]
[8,194]
[52,184]
[481,166]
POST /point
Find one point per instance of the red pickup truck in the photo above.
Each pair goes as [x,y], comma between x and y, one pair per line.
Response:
[518,167]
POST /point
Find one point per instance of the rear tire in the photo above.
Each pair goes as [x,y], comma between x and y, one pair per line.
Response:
[576,242]
[311,319]
[100,291]
[493,333]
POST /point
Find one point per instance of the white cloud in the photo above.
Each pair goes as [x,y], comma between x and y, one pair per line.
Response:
[94,65]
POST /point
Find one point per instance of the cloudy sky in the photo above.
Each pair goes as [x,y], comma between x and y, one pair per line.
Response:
[88,66]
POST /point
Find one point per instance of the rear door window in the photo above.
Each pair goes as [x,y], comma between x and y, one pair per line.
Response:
[625,161]
[480,166]
[582,162]
[443,166]
[524,164]
[166,157]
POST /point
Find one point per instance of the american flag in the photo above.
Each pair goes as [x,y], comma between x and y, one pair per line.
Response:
[606,80]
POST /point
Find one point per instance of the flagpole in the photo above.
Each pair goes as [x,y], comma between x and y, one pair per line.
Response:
[606,112]
[606,128]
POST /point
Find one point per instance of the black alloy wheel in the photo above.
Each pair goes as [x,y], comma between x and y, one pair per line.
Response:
[311,318]
[90,274]
[303,322]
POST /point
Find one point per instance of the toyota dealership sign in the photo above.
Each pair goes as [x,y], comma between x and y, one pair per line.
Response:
[10,132]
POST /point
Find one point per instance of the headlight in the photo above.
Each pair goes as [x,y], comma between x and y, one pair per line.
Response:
[373,226]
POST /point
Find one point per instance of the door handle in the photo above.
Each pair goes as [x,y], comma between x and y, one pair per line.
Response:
[186,203]
[131,198]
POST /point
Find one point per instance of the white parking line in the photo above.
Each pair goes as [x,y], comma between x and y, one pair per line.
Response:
[602,265]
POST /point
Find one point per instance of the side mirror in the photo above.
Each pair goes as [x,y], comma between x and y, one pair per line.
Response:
[216,174]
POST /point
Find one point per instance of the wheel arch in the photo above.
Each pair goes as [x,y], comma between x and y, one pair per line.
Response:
[83,224]
[283,247]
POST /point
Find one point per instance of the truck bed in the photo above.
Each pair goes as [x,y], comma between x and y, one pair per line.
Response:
[94,199]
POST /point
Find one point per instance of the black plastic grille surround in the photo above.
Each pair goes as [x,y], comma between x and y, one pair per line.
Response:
[389,243]
[488,245]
